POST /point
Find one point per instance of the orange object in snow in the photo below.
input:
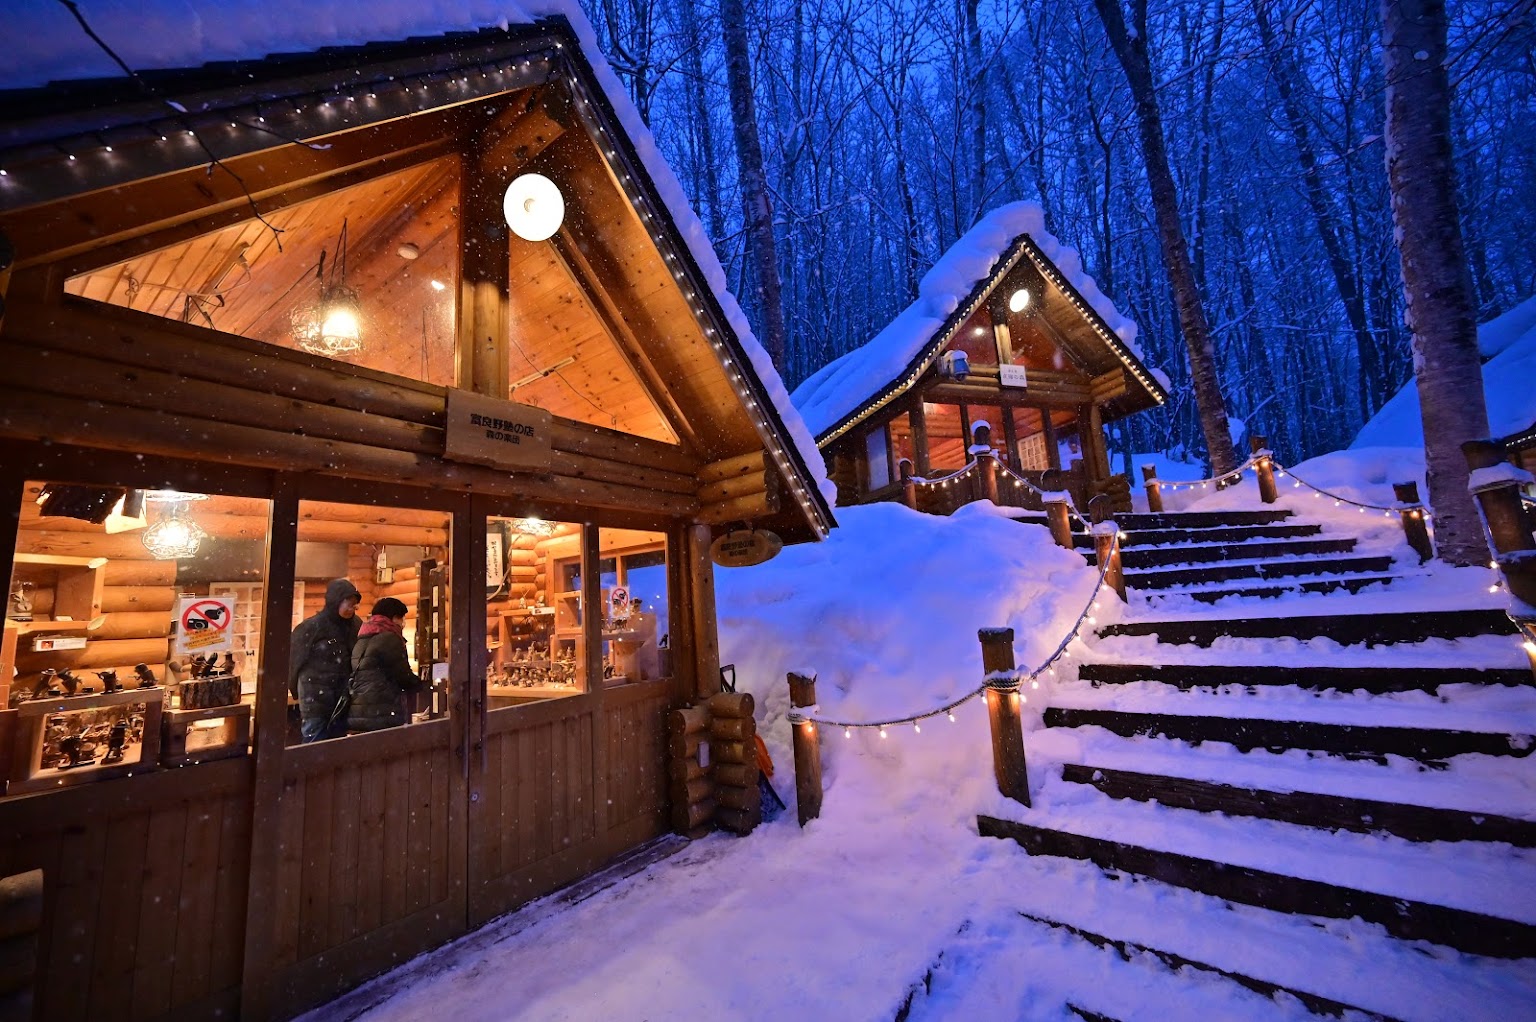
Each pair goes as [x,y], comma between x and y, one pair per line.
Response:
[764,761]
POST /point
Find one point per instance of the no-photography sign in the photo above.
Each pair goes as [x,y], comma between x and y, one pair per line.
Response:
[202,623]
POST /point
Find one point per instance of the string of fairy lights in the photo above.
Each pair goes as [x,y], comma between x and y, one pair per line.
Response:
[1007,682]
[957,476]
[1263,457]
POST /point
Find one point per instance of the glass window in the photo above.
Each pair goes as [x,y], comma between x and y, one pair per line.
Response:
[367,275]
[1032,451]
[636,606]
[902,449]
[976,339]
[947,441]
[533,610]
[371,649]
[877,458]
[133,630]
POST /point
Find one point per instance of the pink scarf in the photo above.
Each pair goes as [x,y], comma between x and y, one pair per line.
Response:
[377,624]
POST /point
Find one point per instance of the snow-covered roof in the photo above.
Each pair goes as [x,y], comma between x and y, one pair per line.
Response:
[1509,344]
[173,34]
[880,370]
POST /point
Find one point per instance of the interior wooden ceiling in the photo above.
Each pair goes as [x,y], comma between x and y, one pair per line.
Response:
[667,383]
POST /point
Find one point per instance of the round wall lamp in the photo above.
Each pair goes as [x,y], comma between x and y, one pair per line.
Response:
[534,207]
[1018,301]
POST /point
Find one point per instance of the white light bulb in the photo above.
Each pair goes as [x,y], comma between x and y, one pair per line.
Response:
[1018,301]
[534,207]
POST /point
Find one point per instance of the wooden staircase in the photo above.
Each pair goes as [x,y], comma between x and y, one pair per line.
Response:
[1316,753]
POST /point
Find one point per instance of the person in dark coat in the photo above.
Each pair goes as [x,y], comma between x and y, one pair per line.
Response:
[320,661]
[381,672]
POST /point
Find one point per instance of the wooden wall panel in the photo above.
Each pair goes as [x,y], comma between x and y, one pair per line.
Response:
[144,890]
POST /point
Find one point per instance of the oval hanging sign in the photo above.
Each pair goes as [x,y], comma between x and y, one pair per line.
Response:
[745,547]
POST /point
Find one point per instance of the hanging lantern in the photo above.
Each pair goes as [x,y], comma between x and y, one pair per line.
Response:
[174,536]
[332,324]
[534,207]
[533,526]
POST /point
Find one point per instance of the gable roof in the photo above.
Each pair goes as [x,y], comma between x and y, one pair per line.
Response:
[324,44]
[860,383]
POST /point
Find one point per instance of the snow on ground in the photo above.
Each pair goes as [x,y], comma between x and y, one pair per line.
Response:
[891,897]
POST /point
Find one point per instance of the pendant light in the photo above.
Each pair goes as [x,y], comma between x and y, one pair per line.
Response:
[332,325]
[174,535]
[534,207]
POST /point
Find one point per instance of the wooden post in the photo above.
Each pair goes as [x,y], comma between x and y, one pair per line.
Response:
[908,487]
[1265,467]
[986,460]
[484,281]
[1003,703]
[1154,490]
[1415,526]
[918,416]
[802,692]
[1056,514]
[1498,494]
[1106,549]
[1519,570]
[7,262]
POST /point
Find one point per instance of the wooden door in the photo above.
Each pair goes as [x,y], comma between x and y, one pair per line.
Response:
[558,786]
[364,865]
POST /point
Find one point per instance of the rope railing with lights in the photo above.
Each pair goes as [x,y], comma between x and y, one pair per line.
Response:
[1001,685]
[805,715]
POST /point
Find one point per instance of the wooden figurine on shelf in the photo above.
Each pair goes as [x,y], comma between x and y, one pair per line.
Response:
[21,602]
[76,752]
[109,681]
[45,684]
[116,740]
[145,675]
[69,681]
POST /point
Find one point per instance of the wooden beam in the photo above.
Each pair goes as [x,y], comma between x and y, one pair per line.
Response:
[484,326]
[615,320]
[701,611]
[918,416]
[527,126]
[100,220]
[982,394]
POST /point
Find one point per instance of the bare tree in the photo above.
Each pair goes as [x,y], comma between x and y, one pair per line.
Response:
[756,203]
[1441,311]
[1132,51]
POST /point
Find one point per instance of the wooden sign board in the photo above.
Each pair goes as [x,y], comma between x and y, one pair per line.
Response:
[745,547]
[484,430]
[1012,376]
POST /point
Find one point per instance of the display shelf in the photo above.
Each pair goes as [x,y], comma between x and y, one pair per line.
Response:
[43,725]
[201,736]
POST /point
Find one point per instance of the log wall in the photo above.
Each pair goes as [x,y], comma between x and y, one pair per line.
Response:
[144,882]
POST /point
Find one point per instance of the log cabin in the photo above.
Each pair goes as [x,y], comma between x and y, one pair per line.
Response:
[1007,333]
[431,315]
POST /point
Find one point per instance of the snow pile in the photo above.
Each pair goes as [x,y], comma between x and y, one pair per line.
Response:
[1509,344]
[841,386]
[150,34]
[885,614]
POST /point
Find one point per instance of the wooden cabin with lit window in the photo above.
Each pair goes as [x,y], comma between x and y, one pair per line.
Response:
[1009,336]
[424,316]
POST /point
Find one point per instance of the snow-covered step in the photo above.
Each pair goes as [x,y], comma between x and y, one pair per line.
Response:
[1315,678]
[1140,538]
[1442,893]
[1364,627]
[1263,591]
[1195,520]
[1426,745]
[1491,785]
[1304,808]
[1205,553]
[1255,568]
[1346,961]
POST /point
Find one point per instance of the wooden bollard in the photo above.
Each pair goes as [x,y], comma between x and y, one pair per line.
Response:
[807,740]
[738,804]
[1003,705]
[1154,488]
[1519,570]
[986,460]
[1415,525]
[908,485]
[1057,516]
[1498,493]
[1106,549]
[689,783]
[1264,466]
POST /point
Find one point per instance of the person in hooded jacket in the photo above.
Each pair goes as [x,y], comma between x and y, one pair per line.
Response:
[320,662]
[381,672]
